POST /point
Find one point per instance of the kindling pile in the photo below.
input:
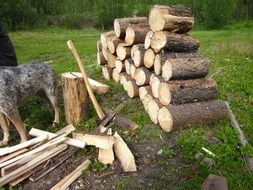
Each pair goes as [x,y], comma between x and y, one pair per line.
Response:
[157,60]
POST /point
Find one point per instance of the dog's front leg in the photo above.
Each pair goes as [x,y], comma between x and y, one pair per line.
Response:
[4,125]
[54,102]
[18,123]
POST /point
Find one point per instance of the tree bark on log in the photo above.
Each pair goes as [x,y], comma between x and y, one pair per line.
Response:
[112,44]
[143,90]
[75,98]
[135,34]
[111,59]
[185,68]
[104,37]
[119,65]
[132,89]
[174,19]
[172,42]
[142,76]
[128,62]
[115,75]
[149,58]
[147,41]
[138,55]
[107,72]
[184,91]
[173,117]
[123,51]
[121,24]
[101,59]
[154,83]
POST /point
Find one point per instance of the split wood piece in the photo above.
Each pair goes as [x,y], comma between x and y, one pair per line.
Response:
[172,42]
[121,24]
[153,108]
[23,145]
[143,90]
[104,37]
[132,89]
[132,70]
[20,179]
[67,129]
[124,154]
[145,101]
[174,19]
[119,65]
[241,136]
[115,75]
[138,55]
[75,97]
[106,156]
[104,52]
[123,51]
[154,84]
[135,47]
[128,62]
[12,155]
[32,164]
[69,141]
[99,46]
[69,179]
[124,77]
[98,87]
[135,34]
[187,91]
[107,72]
[142,76]
[149,58]
[147,41]
[100,58]
[111,59]
[99,141]
[185,115]
[215,182]
[112,44]
[185,68]
[57,140]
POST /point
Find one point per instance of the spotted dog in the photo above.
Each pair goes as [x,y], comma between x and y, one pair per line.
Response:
[19,83]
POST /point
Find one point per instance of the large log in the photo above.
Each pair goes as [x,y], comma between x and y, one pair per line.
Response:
[104,52]
[147,41]
[112,44]
[111,59]
[107,72]
[123,51]
[76,98]
[149,58]
[135,47]
[138,55]
[185,68]
[121,24]
[115,75]
[104,37]
[132,70]
[124,77]
[128,62]
[143,90]
[154,83]
[119,65]
[132,89]
[142,76]
[153,108]
[145,101]
[174,19]
[136,34]
[185,115]
[184,91]
[101,59]
[172,42]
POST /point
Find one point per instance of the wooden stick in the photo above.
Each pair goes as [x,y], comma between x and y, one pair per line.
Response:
[99,111]
[11,155]
[66,181]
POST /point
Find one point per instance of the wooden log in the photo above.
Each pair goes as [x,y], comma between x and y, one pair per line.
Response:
[138,55]
[147,41]
[70,178]
[124,77]
[106,156]
[132,70]
[123,51]
[135,47]
[99,46]
[124,154]
[174,19]
[105,142]
[154,84]
[101,59]
[107,72]
[128,62]
[153,108]
[75,98]
[173,117]
[120,65]
[104,37]
[142,76]
[185,91]
[149,58]
[145,101]
[132,88]
[111,59]
[185,68]
[112,44]
[172,42]
[104,52]
[135,34]
[12,155]
[143,90]
[115,75]
[30,165]
[121,24]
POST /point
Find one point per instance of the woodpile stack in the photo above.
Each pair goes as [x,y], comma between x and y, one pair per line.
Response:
[157,60]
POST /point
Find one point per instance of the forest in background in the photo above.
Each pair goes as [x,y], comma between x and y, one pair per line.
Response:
[28,14]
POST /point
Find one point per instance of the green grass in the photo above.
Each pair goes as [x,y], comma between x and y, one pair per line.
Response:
[231,54]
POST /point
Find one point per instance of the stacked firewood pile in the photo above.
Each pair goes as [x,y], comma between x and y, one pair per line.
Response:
[156,60]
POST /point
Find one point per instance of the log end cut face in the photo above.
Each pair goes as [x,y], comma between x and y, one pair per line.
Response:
[147,40]
[154,83]
[149,58]
[156,20]
[117,28]
[167,70]
[165,119]
[158,41]
[140,77]
[157,65]
[137,58]
[111,46]
[153,110]
[121,51]
[130,36]
[164,93]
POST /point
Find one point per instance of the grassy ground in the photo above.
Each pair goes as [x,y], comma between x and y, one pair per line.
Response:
[231,53]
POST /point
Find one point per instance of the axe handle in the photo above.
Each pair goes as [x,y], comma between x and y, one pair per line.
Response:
[99,111]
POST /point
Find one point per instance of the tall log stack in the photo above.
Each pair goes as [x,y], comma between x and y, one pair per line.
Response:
[157,60]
